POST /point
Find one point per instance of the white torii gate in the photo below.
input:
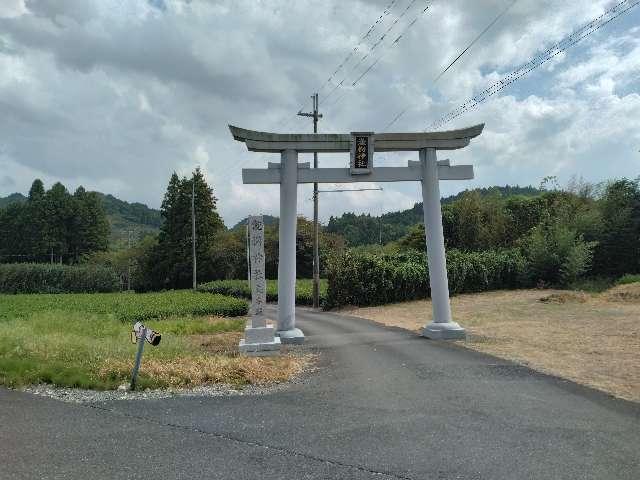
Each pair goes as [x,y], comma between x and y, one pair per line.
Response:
[428,170]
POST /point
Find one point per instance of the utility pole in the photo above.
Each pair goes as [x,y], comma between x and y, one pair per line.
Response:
[316,254]
[129,262]
[193,228]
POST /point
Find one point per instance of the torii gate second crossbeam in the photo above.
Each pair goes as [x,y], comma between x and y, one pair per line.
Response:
[428,170]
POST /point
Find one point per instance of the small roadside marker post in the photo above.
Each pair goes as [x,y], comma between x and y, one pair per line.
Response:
[141,333]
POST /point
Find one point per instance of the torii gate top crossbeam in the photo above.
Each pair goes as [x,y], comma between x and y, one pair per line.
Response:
[338,142]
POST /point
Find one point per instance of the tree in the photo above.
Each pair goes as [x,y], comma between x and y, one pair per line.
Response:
[12,234]
[173,256]
[227,258]
[36,239]
[36,192]
[478,222]
[58,209]
[90,226]
[618,251]
[415,238]
[557,254]
[136,261]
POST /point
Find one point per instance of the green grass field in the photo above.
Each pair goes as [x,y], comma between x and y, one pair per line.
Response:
[128,307]
[83,340]
[77,349]
[240,289]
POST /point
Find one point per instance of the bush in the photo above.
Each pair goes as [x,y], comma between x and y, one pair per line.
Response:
[486,270]
[557,255]
[47,278]
[240,289]
[592,284]
[628,278]
[369,279]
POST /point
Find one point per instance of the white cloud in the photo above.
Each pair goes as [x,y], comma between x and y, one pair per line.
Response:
[118,94]
[12,8]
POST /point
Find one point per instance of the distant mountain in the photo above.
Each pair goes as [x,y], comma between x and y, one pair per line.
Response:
[365,229]
[123,217]
[268,220]
[13,198]
[506,191]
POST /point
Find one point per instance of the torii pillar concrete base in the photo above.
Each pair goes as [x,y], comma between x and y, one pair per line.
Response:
[444,331]
[292,336]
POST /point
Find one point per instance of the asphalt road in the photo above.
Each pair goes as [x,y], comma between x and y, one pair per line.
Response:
[384,403]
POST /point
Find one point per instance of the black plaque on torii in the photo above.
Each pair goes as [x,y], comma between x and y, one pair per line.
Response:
[362,148]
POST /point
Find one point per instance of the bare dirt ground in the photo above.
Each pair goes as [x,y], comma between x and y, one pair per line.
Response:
[592,339]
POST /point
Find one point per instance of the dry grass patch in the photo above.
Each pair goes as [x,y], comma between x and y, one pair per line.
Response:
[623,293]
[590,339]
[221,343]
[210,369]
[565,297]
[219,362]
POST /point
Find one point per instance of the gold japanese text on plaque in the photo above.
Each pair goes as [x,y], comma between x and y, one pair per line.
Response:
[362,147]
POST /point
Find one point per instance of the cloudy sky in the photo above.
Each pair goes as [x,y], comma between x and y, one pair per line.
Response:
[117,94]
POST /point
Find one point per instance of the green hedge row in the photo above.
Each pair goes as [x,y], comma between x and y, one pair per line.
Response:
[374,279]
[127,307]
[48,278]
[240,289]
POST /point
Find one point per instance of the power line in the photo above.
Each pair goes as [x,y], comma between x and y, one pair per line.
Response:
[384,35]
[386,12]
[367,34]
[374,46]
[379,21]
[373,26]
[366,55]
[493,22]
[540,59]
[395,42]
[285,122]
[439,76]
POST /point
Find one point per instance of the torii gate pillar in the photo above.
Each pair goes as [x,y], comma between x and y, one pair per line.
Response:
[441,327]
[287,249]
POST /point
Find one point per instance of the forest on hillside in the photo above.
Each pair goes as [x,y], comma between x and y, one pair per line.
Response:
[365,229]
[127,221]
[582,230]
[53,226]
